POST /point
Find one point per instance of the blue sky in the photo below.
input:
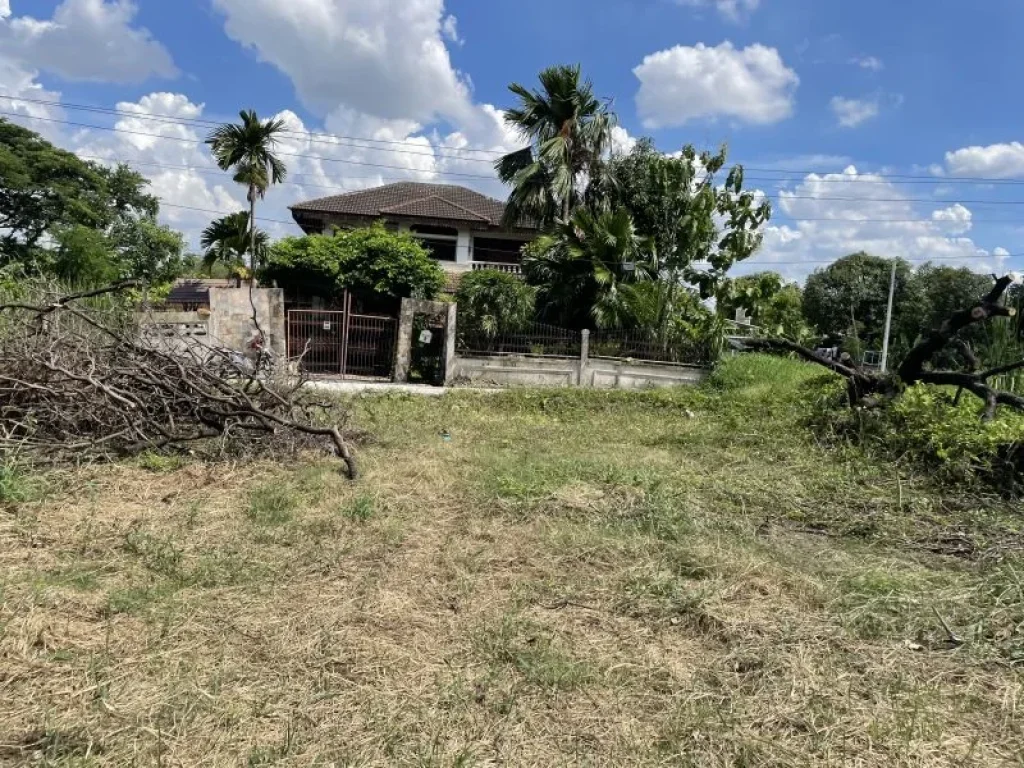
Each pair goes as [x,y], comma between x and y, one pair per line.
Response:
[865,122]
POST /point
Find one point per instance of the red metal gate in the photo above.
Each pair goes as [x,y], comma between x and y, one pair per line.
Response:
[341,344]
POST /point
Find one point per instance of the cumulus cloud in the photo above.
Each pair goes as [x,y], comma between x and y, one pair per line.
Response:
[956,220]
[1000,161]
[687,83]
[840,213]
[871,63]
[363,54]
[852,112]
[85,40]
[733,10]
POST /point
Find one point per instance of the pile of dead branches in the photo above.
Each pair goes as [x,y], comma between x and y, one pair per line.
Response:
[81,380]
[872,389]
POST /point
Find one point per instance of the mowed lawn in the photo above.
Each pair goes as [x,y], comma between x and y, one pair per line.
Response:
[535,578]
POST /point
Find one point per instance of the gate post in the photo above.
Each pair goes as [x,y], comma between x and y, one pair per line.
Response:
[449,343]
[403,350]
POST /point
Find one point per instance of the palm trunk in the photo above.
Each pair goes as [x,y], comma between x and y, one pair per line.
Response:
[252,229]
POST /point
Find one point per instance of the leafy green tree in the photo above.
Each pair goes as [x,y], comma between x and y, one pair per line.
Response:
[379,266]
[771,304]
[247,148]
[492,302]
[700,226]
[848,299]
[583,268]
[569,132]
[83,221]
[226,241]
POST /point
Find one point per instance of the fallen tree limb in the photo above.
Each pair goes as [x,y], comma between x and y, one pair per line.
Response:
[865,387]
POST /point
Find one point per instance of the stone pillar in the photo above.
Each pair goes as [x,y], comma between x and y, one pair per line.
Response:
[403,350]
[581,378]
[449,343]
[464,247]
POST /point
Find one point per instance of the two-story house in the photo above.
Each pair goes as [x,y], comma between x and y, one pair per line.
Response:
[460,227]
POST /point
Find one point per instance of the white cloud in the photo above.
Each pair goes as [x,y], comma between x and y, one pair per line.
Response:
[840,213]
[733,10]
[852,112]
[450,28]
[369,55]
[1001,253]
[956,220]
[872,63]
[688,83]
[622,142]
[85,40]
[1000,161]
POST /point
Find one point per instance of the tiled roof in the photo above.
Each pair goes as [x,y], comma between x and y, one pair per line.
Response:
[413,199]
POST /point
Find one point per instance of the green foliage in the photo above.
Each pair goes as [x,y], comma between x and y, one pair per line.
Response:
[772,305]
[80,221]
[247,148]
[689,212]
[227,240]
[569,134]
[848,299]
[272,504]
[366,261]
[584,268]
[492,302]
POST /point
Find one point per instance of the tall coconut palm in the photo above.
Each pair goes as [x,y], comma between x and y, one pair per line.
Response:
[585,266]
[229,238]
[247,148]
[569,134]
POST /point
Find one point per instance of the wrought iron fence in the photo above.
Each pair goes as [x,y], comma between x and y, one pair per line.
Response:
[341,344]
[534,339]
[639,345]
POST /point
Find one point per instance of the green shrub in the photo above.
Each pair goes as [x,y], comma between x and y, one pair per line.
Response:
[492,303]
[13,485]
[370,260]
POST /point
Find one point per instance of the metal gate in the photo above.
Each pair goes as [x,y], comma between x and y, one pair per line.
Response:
[342,344]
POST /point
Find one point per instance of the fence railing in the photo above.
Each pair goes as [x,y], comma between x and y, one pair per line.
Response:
[500,266]
[534,339]
[637,345]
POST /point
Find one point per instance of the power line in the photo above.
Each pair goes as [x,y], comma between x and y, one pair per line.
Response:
[338,139]
[332,139]
[196,142]
[341,189]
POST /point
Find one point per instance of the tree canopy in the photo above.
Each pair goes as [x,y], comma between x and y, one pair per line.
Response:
[377,265]
[79,220]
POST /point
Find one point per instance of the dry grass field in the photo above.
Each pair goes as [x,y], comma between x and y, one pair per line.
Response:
[678,578]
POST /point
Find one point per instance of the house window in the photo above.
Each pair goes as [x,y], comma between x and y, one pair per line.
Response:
[495,250]
[442,242]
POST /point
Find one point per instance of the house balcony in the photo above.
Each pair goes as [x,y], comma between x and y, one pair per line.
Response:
[457,267]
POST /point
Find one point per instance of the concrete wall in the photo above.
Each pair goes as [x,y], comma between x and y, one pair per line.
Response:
[231,321]
[527,371]
[636,374]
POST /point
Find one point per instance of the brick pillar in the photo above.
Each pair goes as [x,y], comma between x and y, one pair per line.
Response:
[403,350]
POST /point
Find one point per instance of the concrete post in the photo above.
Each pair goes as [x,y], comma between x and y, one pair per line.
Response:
[584,358]
[403,350]
[449,343]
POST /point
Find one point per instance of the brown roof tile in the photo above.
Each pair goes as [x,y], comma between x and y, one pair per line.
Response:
[414,199]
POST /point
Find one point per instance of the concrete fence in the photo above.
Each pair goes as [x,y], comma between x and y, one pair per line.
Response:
[583,371]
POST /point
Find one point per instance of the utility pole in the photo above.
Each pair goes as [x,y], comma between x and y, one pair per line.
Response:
[888,318]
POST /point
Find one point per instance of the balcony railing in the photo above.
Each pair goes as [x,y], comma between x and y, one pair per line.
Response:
[512,269]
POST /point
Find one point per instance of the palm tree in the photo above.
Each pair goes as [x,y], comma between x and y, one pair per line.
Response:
[588,264]
[229,238]
[248,149]
[569,134]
